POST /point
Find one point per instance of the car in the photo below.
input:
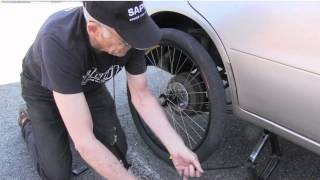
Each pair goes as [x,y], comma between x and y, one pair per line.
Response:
[260,58]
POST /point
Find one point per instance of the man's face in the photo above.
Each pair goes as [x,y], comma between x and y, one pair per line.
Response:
[106,39]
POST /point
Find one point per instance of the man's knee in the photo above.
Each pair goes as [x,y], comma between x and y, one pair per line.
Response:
[55,172]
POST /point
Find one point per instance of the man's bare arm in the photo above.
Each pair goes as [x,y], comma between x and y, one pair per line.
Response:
[78,121]
[152,113]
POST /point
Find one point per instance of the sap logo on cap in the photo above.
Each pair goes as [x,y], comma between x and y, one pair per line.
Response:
[135,11]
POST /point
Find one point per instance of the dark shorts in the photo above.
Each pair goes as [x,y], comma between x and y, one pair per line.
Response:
[47,138]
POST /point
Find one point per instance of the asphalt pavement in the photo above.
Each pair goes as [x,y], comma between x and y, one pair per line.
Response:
[296,163]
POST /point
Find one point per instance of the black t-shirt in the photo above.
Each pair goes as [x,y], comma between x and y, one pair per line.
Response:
[62,60]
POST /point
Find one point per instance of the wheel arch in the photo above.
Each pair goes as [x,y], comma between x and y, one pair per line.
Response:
[167,19]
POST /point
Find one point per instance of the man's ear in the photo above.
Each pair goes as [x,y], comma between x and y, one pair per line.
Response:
[93,29]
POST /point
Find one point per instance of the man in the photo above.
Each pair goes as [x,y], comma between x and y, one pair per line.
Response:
[75,52]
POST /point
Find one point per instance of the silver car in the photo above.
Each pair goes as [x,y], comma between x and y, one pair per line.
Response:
[261,58]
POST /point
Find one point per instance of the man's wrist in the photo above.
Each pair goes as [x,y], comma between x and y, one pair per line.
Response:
[176,147]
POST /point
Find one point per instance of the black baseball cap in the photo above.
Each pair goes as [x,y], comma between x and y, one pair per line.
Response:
[129,19]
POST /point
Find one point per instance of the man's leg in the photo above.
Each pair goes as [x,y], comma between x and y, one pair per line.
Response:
[106,125]
[46,137]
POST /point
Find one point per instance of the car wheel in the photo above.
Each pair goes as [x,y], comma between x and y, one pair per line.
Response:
[185,79]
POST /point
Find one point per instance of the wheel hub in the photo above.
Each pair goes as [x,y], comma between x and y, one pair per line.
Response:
[178,95]
[175,95]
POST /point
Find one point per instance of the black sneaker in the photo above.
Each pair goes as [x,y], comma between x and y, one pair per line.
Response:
[23,117]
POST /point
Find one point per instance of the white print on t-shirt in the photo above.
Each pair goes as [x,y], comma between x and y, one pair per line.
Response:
[94,76]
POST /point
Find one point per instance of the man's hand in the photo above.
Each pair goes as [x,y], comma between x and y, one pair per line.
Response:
[186,163]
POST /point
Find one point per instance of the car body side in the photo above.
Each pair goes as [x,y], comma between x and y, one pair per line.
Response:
[270,53]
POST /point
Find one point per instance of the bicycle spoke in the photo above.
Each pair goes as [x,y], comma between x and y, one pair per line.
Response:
[153,58]
[191,126]
[161,57]
[171,64]
[193,92]
[197,112]
[158,55]
[187,134]
[193,77]
[204,102]
[158,76]
[192,110]
[187,116]
[173,59]
[190,71]
[182,64]
[151,61]
[184,125]
[196,84]
[173,120]
[175,72]
[195,131]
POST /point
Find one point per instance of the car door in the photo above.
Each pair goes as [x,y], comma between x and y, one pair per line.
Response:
[274,53]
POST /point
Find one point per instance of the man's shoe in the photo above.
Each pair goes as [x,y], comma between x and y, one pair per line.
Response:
[23,117]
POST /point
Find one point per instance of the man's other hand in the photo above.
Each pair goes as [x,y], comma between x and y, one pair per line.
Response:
[186,163]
